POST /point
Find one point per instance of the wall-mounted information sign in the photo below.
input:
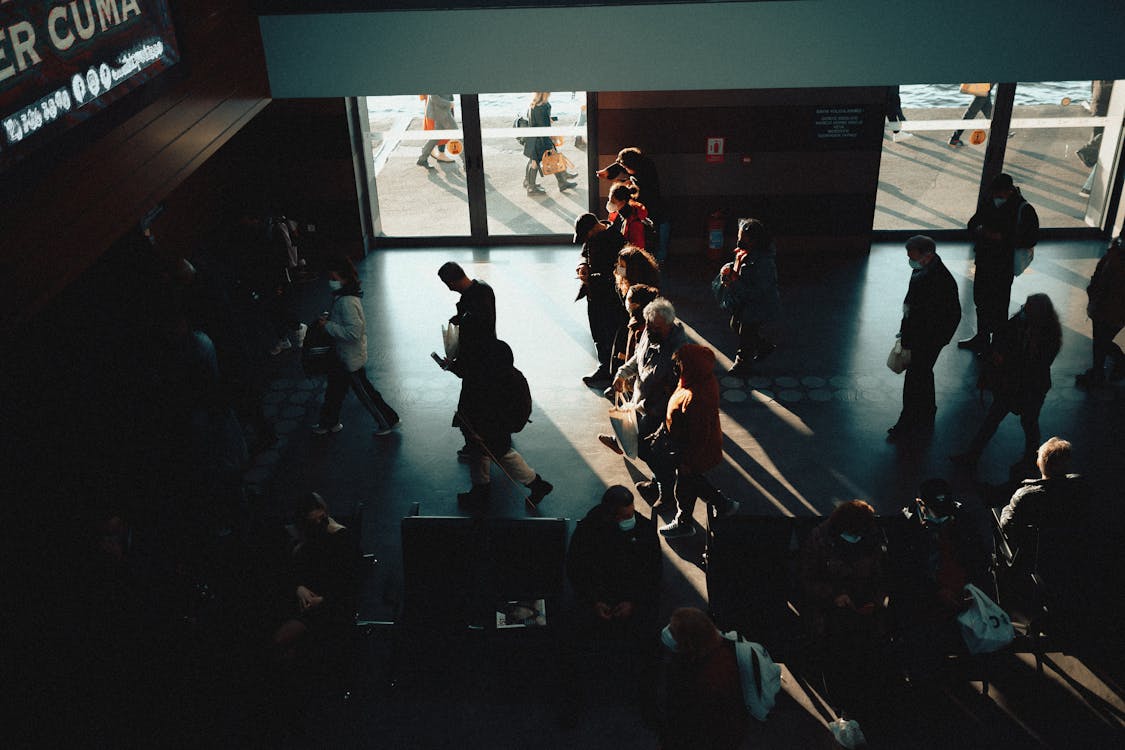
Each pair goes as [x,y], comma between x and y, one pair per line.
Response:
[63,61]
[834,123]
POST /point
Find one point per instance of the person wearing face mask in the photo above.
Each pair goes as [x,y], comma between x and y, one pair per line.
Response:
[600,248]
[626,214]
[702,704]
[654,378]
[941,553]
[1018,372]
[346,324]
[1003,222]
[323,584]
[635,267]
[931,313]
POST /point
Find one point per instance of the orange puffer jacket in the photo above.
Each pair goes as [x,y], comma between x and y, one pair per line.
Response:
[693,411]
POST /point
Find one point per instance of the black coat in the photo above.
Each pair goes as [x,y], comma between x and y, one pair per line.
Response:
[606,564]
[476,318]
[648,183]
[933,310]
[1018,226]
[538,117]
[1023,376]
[486,393]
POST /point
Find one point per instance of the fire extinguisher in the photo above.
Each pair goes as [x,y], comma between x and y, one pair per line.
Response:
[716,224]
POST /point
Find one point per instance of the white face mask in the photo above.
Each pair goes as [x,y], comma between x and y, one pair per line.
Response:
[628,524]
[668,639]
[335,285]
[610,207]
[998,202]
[915,264]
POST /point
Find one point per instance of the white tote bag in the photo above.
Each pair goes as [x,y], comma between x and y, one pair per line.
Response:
[623,417]
[984,626]
[451,337]
[759,675]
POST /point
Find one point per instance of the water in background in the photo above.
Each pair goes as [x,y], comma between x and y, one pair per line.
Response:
[923,96]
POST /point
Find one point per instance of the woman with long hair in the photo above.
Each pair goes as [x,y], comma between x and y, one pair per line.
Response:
[539,116]
[346,324]
[1018,372]
[626,214]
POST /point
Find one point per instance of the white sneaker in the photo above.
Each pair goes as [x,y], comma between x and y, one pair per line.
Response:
[442,158]
[902,135]
[300,334]
[677,528]
[324,430]
[381,431]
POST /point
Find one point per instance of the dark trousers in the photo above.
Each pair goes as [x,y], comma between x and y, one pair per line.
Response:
[691,487]
[982,104]
[339,379]
[1104,334]
[992,293]
[750,339]
[1029,420]
[919,402]
[605,318]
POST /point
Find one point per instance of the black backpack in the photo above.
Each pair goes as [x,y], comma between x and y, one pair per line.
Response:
[518,412]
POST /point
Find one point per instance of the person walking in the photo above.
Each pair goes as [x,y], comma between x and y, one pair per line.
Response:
[1106,310]
[747,289]
[1018,372]
[931,312]
[346,324]
[439,112]
[1004,221]
[982,103]
[539,116]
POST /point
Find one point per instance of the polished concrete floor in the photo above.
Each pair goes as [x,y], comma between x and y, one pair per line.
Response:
[806,432]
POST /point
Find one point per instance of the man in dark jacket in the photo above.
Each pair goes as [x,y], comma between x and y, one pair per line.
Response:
[1056,499]
[603,303]
[931,313]
[476,310]
[614,566]
[1003,222]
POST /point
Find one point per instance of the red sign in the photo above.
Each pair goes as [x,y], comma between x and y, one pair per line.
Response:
[715,149]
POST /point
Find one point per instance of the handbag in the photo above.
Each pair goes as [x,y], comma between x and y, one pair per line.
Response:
[451,338]
[985,627]
[623,417]
[317,351]
[976,89]
[552,162]
[899,358]
[759,675]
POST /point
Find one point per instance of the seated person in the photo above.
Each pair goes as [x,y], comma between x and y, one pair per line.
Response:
[702,706]
[614,566]
[322,579]
[942,554]
[1055,500]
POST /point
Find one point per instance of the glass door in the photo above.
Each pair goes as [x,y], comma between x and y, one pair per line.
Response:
[450,166]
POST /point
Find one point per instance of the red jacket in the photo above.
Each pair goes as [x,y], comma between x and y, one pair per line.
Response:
[693,411]
[634,228]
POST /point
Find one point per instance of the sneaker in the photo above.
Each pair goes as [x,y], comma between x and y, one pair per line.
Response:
[380,431]
[325,429]
[443,158]
[280,346]
[536,190]
[424,162]
[900,136]
[610,441]
[731,508]
[300,334]
[955,143]
[740,369]
[677,528]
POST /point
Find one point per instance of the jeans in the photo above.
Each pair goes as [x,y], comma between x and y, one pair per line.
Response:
[982,104]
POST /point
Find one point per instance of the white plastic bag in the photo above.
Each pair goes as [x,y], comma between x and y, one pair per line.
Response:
[451,337]
[848,733]
[623,417]
[984,626]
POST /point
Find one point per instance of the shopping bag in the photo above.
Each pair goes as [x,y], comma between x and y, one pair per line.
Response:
[451,337]
[623,417]
[552,162]
[984,626]
[899,359]
[759,675]
[976,89]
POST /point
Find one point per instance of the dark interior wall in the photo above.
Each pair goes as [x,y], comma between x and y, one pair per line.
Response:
[813,184]
[59,215]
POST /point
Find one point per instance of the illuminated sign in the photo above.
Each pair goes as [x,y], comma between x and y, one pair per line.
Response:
[61,62]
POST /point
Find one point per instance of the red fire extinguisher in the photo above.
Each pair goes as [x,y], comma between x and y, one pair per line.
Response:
[716,224]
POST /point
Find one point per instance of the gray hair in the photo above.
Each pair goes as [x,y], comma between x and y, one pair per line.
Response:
[660,308]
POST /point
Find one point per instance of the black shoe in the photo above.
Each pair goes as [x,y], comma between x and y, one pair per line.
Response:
[571,175]
[540,488]
[597,377]
[955,143]
[425,162]
[740,369]
[564,186]
[764,352]
[976,343]
[649,491]
[536,190]
[475,497]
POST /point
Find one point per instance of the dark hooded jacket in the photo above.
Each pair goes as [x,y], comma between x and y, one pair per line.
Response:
[486,389]
[693,411]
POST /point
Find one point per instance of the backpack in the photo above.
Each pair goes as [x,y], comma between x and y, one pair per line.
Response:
[759,675]
[518,410]
[521,122]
